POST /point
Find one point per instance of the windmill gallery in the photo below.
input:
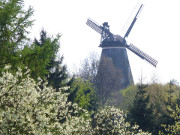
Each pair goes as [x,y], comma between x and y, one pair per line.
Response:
[114,48]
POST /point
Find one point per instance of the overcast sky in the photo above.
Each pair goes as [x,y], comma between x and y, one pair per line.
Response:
[156,31]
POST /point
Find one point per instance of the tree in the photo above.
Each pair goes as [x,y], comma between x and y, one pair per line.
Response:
[170,91]
[56,72]
[170,119]
[108,80]
[172,129]
[104,76]
[83,93]
[40,56]
[141,113]
[162,96]
[14,21]
[89,68]
[37,58]
[128,96]
[158,97]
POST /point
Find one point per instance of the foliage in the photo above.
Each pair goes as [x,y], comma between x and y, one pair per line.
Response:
[161,95]
[27,109]
[57,72]
[89,68]
[171,90]
[158,98]
[111,121]
[128,96]
[106,79]
[39,57]
[36,59]
[170,121]
[141,112]
[83,93]
[173,129]
[14,21]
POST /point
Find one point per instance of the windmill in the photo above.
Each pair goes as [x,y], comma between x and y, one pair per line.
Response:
[114,46]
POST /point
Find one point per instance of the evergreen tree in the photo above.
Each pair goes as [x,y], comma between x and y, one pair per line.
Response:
[167,119]
[172,128]
[14,21]
[170,92]
[37,58]
[56,72]
[141,113]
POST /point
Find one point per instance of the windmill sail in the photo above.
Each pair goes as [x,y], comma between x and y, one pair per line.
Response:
[94,26]
[142,55]
[132,19]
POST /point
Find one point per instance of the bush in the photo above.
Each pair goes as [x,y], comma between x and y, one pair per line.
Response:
[30,108]
[27,109]
[111,121]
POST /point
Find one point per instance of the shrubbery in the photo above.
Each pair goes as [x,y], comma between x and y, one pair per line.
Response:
[27,107]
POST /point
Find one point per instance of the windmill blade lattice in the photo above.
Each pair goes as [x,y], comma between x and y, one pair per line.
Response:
[131,20]
[142,55]
[94,26]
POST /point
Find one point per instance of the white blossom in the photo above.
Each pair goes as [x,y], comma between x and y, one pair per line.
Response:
[25,108]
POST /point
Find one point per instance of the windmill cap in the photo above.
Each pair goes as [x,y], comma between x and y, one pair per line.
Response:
[105,24]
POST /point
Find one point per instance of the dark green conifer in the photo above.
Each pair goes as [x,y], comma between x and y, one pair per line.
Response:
[141,113]
[56,72]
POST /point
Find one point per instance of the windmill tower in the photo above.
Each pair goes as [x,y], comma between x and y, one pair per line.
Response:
[114,47]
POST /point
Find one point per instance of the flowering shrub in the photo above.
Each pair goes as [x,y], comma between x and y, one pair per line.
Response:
[30,108]
[110,121]
[27,109]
